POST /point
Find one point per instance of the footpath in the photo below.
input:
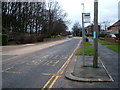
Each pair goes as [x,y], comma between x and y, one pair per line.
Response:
[106,72]
[11,52]
[29,48]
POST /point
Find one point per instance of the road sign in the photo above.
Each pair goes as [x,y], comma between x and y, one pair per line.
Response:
[95,35]
[86,17]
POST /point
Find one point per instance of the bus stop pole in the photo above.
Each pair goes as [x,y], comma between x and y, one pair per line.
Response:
[83,48]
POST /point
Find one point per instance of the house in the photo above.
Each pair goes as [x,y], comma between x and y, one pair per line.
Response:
[113,29]
[90,30]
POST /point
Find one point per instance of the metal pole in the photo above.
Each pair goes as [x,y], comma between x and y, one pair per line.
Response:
[95,58]
[83,7]
[83,39]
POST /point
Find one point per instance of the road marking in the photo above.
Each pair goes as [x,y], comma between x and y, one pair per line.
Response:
[34,50]
[11,72]
[60,70]
[51,74]
[56,63]
[49,63]
[45,62]
[107,71]
[46,56]
[53,82]
[9,59]
[50,57]
[9,68]
[47,82]
[56,57]
[34,62]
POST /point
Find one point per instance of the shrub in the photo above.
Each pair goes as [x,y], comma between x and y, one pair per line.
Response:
[31,39]
[108,36]
[26,39]
[39,39]
[4,30]
[117,35]
[102,35]
[58,36]
[0,39]
[4,39]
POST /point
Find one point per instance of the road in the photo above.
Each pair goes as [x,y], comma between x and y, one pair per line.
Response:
[41,68]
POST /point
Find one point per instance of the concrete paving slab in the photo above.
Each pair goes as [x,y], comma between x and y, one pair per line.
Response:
[76,71]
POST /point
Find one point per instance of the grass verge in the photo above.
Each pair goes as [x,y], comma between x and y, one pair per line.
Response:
[114,48]
[89,51]
[107,43]
[87,43]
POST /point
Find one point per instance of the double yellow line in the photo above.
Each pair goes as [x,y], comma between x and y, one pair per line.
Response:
[54,78]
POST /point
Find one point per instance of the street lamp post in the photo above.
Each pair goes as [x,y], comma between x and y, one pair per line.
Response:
[83,39]
[85,19]
[83,7]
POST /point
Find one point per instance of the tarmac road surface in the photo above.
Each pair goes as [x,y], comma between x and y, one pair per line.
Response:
[37,69]
[45,68]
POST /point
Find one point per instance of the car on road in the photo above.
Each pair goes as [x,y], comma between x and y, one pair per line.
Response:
[70,36]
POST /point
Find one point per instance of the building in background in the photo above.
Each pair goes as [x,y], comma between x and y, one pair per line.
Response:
[90,29]
[113,29]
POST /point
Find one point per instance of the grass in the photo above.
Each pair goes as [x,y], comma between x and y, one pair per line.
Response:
[107,43]
[89,51]
[87,43]
[114,48]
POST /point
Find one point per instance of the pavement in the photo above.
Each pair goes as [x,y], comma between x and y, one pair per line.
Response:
[77,72]
[28,48]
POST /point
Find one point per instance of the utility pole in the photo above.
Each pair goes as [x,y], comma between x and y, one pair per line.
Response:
[95,58]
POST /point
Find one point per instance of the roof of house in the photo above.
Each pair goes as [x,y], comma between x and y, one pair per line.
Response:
[111,31]
[116,24]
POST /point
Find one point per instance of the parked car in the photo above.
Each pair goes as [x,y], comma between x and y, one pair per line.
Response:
[113,35]
[70,36]
[110,36]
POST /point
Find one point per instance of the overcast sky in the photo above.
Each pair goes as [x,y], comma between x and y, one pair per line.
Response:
[108,10]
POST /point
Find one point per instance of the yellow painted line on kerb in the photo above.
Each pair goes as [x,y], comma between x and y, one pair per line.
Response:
[60,70]
[47,82]
[53,82]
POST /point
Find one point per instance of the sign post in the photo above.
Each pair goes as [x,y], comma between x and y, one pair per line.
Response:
[83,39]
[85,19]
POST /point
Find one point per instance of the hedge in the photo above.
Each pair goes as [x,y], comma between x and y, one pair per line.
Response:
[102,35]
[4,39]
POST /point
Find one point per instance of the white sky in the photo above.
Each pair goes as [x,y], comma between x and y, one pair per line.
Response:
[108,10]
